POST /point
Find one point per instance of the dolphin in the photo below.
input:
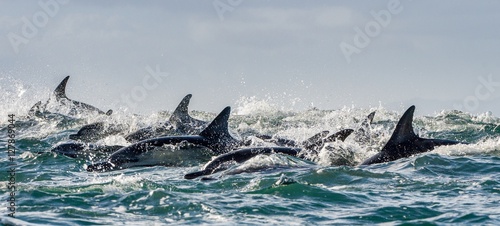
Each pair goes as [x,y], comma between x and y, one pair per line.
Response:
[89,132]
[316,142]
[74,149]
[180,121]
[149,132]
[276,140]
[60,94]
[95,131]
[362,133]
[405,143]
[240,156]
[291,143]
[243,155]
[80,144]
[36,110]
[39,109]
[147,152]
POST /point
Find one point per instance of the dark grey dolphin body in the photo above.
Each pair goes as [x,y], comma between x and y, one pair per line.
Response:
[243,155]
[96,131]
[240,156]
[179,122]
[183,122]
[37,110]
[215,137]
[362,133]
[149,132]
[84,150]
[405,143]
[80,144]
[76,107]
[292,143]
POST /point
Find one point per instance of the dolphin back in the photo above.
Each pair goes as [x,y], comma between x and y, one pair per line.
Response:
[217,134]
[405,143]
[239,156]
[181,119]
[60,94]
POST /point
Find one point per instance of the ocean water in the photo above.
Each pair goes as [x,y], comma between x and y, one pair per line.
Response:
[453,185]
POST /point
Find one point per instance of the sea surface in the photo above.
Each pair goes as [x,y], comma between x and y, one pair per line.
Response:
[453,185]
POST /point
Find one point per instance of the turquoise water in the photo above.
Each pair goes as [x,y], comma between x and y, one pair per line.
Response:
[450,185]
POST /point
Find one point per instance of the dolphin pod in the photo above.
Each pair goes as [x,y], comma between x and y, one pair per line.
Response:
[248,153]
[216,137]
[179,122]
[81,145]
[402,144]
[148,144]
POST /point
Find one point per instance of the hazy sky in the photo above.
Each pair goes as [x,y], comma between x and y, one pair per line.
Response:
[146,55]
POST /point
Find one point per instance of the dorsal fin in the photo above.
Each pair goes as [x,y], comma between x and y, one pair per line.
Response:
[404,128]
[60,91]
[341,135]
[181,113]
[219,126]
[362,134]
[35,109]
[218,134]
[370,117]
[365,124]
[315,138]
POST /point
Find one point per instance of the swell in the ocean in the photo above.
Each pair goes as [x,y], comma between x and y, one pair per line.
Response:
[457,184]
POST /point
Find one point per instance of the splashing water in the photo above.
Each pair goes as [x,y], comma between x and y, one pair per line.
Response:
[450,185]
